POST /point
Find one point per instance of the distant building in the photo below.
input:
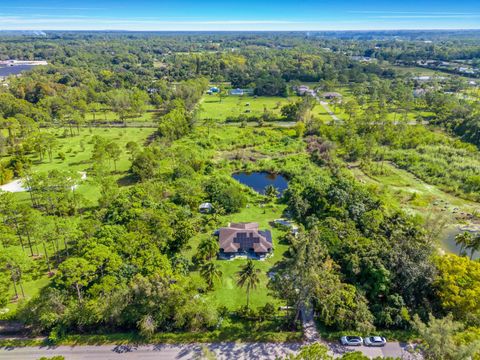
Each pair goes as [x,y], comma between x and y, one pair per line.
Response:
[301,90]
[238,92]
[466,70]
[244,239]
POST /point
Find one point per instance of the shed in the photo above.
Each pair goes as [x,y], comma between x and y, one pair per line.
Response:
[205,208]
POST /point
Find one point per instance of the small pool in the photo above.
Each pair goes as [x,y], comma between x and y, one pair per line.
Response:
[258,181]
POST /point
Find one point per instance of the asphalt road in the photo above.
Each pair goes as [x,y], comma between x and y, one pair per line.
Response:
[223,351]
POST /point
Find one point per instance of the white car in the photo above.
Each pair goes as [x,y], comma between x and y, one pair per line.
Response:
[375,341]
[351,340]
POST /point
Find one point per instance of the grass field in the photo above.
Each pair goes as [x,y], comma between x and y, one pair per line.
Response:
[416,70]
[78,151]
[233,106]
[111,117]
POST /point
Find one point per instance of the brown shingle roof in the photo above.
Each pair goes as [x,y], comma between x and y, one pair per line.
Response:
[243,237]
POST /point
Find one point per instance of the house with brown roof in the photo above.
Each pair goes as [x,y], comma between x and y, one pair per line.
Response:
[244,239]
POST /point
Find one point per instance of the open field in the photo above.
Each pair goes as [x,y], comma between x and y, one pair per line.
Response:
[416,70]
[107,116]
[78,152]
[78,149]
[233,106]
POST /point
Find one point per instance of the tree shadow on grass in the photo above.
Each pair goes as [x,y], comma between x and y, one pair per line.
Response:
[127,180]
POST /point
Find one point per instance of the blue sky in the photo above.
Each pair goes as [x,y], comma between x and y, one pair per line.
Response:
[245,15]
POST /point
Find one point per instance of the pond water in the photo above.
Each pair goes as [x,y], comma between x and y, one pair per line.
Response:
[449,245]
[259,180]
[14,70]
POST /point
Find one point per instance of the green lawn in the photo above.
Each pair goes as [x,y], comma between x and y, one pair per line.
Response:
[226,291]
[213,108]
[31,289]
[78,149]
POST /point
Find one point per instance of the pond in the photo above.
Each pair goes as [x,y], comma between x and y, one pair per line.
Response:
[14,70]
[449,245]
[258,181]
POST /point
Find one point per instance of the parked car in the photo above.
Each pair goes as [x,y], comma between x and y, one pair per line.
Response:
[351,340]
[375,341]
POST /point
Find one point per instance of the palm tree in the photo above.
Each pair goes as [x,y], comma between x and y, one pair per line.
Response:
[248,276]
[474,245]
[208,248]
[464,240]
[271,192]
[210,272]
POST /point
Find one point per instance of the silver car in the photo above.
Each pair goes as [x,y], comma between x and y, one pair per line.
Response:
[351,340]
[375,341]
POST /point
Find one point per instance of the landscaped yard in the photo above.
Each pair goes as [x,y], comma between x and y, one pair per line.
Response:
[227,292]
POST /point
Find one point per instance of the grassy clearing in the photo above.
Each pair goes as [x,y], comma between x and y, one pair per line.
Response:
[413,193]
[415,70]
[233,106]
[108,116]
[247,149]
[78,149]
[78,152]
[405,191]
